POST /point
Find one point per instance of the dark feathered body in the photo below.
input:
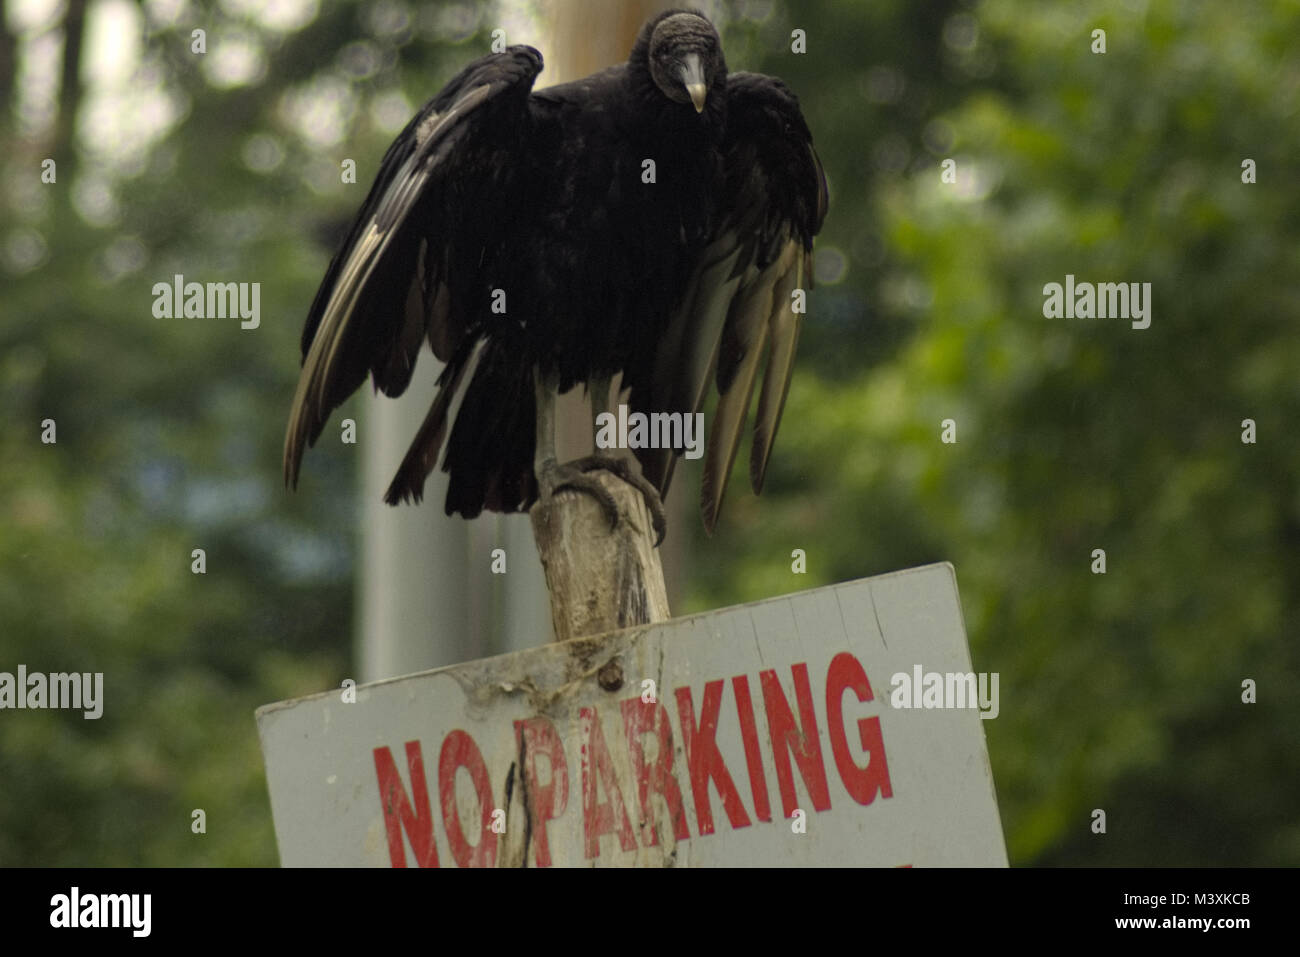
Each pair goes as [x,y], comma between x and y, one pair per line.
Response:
[601,254]
[542,195]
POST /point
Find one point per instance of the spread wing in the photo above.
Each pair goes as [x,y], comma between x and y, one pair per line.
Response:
[400,275]
[737,314]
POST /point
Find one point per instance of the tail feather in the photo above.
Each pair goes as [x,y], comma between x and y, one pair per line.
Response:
[490,452]
[422,457]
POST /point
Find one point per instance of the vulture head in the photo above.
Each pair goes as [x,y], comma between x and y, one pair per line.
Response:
[685,57]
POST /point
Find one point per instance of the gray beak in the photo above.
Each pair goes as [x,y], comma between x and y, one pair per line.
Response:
[693,80]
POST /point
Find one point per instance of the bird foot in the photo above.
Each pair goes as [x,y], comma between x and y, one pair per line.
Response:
[624,469]
[552,478]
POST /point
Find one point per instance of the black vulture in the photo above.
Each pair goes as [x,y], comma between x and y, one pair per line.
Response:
[651,220]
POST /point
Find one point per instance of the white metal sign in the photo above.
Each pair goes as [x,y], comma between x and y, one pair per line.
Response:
[819,728]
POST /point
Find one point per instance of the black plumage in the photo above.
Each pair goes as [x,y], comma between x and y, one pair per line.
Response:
[519,233]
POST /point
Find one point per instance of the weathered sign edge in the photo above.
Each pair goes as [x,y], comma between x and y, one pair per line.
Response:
[269,709]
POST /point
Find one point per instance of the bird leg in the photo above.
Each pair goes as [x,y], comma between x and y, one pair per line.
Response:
[551,476]
[622,466]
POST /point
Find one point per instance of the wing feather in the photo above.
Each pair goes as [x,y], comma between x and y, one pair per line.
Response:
[688,353]
[382,295]
[783,327]
[738,308]
[743,341]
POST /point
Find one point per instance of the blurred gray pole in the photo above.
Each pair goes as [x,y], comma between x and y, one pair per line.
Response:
[428,596]
[427,593]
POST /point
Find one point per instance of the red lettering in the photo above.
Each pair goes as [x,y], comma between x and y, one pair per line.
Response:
[788,738]
[537,736]
[862,783]
[753,757]
[399,816]
[598,819]
[460,751]
[704,760]
[641,718]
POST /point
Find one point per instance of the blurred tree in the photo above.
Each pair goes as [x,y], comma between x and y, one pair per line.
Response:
[221,165]
[1119,691]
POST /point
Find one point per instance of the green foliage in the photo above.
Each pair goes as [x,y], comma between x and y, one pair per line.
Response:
[1119,691]
[169,437]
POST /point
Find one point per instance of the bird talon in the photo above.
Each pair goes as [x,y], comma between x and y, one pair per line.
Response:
[554,478]
[622,468]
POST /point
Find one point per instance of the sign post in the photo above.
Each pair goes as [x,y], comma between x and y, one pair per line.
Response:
[762,734]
